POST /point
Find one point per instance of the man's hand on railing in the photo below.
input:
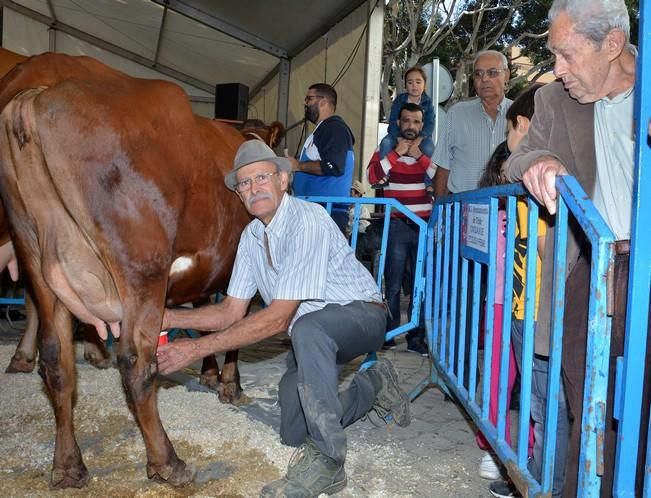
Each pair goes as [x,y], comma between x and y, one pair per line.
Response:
[540,181]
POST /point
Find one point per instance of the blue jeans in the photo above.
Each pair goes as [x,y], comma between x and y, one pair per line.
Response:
[389,143]
[538,408]
[322,343]
[402,247]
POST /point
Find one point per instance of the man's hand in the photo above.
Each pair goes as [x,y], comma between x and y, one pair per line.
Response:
[311,167]
[294,162]
[441,181]
[403,146]
[414,148]
[540,181]
[178,354]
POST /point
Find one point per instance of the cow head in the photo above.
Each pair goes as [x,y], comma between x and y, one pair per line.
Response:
[255,129]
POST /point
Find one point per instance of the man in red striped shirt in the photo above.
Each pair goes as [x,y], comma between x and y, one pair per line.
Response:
[406,167]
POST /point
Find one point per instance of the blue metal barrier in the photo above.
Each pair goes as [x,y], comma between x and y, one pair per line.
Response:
[390,206]
[418,289]
[12,300]
[630,368]
[453,256]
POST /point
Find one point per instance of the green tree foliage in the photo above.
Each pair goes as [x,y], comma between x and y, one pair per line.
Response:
[455,30]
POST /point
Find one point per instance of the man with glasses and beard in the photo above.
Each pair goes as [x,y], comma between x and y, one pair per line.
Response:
[327,160]
[406,167]
[314,287]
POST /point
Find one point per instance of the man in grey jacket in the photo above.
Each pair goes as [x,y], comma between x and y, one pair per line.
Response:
[583,126]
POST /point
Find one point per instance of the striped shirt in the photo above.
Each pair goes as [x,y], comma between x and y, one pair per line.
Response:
[309,260]
[406,180]
[469,139]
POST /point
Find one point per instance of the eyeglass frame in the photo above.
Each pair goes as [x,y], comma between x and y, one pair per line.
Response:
[259,179]
[492,73]
[308,98]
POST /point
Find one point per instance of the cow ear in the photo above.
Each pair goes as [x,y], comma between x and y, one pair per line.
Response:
[276,132]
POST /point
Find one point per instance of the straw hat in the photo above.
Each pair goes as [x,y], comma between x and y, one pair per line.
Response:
[358,187]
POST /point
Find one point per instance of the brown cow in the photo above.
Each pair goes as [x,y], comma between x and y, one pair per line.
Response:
[95,351]
[115,198]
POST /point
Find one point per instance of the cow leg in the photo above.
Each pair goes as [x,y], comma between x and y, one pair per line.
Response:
[209,367]
[138,368]
[229,388]
[24,358]
[210,372]
[95,351]
[227,384]
[57,368]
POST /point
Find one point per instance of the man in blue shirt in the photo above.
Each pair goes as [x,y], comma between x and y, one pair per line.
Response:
[327,160]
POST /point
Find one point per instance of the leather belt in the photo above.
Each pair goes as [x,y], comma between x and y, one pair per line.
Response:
[622,247]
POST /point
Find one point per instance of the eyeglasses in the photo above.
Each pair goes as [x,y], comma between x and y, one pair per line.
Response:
[310,97]
[261,179]
[491,73]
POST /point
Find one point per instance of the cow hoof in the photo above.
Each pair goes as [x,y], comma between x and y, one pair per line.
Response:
[211,381]
[99,361]
[69,478]
[229,392]
[182,476]
[20,363]
[178,476]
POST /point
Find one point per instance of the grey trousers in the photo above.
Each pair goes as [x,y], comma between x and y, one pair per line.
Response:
[322,343]
[539,376]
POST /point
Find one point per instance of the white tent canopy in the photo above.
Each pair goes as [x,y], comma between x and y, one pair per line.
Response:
[275,48]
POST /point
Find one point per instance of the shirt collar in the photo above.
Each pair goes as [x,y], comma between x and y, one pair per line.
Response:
[619,98]
[501,107]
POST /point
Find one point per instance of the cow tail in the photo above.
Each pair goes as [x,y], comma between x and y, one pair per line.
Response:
[23,121]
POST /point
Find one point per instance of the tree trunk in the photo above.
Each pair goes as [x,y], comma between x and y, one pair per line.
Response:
[385,93]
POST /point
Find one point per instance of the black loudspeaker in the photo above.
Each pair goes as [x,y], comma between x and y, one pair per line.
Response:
[231,101]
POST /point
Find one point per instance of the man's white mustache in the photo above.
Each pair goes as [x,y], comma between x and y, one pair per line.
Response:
[257,197]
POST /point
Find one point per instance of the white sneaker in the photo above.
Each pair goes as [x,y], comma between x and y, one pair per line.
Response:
[488,468]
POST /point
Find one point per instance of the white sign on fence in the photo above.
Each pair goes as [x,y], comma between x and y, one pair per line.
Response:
[475,231]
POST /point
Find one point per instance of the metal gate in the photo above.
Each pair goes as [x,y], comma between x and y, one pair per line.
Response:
[463,243]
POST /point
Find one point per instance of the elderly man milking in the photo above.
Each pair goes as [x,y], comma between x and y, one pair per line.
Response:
[294,254]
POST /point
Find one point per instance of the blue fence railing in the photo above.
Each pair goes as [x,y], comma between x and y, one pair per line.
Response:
[463,246]
[12,300]
[630,367]
[391,206]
